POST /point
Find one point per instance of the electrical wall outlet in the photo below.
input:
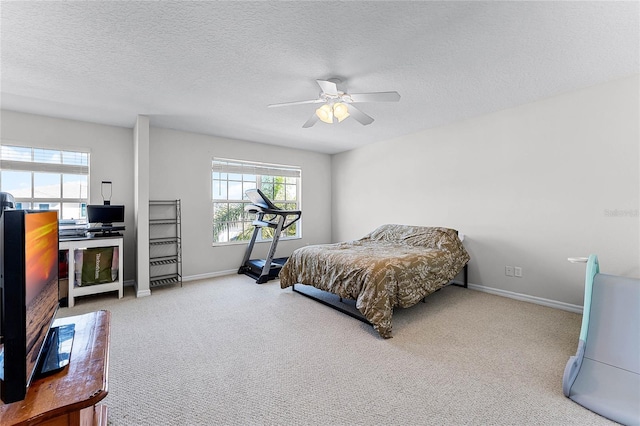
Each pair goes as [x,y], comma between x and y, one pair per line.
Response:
[517,271]
[508,271]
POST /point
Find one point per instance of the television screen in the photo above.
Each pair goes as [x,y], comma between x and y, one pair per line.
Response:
[105,214]
[41,295]
[29,283]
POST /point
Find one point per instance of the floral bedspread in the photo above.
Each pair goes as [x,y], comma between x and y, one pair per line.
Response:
[395,265]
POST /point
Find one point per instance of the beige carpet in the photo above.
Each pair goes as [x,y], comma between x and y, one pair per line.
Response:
[229,351]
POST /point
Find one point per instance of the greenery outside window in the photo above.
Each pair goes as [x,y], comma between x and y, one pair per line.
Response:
[231,178]
[46,179]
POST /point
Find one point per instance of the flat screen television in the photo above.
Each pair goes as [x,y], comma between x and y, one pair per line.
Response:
[29,296]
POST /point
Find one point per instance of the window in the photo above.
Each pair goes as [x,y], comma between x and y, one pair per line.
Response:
[230,180]
[46,179]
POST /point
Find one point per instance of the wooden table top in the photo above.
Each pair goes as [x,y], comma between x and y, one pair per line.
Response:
[81,384]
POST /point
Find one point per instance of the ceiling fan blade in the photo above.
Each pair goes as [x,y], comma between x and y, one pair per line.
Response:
[328,87]
[311,121]
[360,116]
[314,101]
[375,97]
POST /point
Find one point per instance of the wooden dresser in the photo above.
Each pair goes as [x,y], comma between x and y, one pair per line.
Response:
[70,396]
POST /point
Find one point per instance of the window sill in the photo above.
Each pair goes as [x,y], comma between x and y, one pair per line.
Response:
[246,242]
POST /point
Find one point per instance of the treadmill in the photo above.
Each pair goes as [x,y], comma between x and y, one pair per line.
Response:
[270,216]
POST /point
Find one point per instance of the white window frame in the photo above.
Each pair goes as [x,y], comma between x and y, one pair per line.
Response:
[11,160]
[221,168]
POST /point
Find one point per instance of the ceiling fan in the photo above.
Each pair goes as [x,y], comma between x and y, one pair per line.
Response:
[338,105]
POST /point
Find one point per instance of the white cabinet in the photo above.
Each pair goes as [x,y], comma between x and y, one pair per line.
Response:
[71,245]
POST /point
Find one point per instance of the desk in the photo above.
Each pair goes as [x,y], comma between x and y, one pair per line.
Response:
[70,396]
[85,242]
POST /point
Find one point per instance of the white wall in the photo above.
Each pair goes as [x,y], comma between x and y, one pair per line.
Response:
[111,159]
[529,186]
[180,168]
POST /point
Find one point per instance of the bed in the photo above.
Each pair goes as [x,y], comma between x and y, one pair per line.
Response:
[395,265]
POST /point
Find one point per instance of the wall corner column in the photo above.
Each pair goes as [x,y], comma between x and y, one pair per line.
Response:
[141,202]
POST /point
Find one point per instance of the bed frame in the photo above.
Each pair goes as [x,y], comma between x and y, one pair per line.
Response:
[353,312]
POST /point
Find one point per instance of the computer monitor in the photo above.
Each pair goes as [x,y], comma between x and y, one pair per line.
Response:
[105,214]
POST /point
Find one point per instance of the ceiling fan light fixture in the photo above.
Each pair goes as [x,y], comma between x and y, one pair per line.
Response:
[340,111]
[338,105]
[325,113]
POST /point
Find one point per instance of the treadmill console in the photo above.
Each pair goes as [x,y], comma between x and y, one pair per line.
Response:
[258,198]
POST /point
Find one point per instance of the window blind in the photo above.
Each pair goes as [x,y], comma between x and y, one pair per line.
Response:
[43,160]
[242,167]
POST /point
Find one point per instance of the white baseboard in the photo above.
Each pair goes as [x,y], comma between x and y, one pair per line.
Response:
[147,292]
[141,292]
[208,275]
[498,292]
[134,284]
[527,298]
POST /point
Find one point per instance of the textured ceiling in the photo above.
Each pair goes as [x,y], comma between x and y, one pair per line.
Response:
[213,67]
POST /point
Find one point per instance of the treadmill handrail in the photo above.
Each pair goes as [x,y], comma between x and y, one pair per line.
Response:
[255,208]
[272,223]
[260,204]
